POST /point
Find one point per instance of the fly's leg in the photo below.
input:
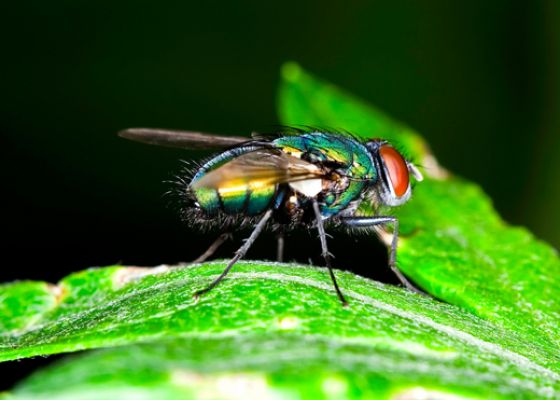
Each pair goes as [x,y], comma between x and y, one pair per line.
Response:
[212,249]
[325,251]
[238,254]
[366,222]
[280,247]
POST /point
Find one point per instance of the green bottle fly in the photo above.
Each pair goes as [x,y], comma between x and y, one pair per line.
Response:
[291,180]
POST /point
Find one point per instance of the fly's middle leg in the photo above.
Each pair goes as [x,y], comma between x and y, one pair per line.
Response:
[325,251]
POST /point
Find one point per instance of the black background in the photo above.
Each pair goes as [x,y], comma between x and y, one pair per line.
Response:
[478,79]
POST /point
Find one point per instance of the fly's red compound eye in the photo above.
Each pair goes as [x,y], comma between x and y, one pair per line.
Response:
[397,169]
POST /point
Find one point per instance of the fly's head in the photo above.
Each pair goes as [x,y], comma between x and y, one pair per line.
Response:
[394,171]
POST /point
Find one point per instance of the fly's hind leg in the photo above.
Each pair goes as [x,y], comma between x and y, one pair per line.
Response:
[280,244]
[366,222]
[212,249]
[238,254]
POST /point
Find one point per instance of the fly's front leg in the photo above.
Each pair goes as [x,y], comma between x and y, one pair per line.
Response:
[367,222]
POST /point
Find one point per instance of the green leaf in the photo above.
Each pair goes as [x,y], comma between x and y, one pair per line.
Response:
[278,328]
[453,244]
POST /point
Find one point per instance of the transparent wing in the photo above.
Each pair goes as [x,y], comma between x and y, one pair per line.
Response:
[181,139]
[259,167]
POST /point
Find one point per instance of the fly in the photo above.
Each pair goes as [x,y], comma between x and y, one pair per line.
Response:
[302,179]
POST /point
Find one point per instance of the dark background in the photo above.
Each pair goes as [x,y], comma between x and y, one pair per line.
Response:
[478,79]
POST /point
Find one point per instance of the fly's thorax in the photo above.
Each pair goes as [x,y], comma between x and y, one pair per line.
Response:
[346,163]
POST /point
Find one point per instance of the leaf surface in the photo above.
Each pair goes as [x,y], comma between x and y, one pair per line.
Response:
[277,326]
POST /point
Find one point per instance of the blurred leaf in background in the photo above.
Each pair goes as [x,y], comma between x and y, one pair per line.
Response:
[452,243]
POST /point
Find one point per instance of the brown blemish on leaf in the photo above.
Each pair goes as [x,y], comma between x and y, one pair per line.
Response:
[59,292]
[431,167]
[125,275]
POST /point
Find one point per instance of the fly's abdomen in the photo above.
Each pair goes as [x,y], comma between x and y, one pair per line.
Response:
[260,198]
[246,197]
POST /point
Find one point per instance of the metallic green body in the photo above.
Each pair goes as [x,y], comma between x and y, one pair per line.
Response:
[355,163]
[248,202]
[350,159]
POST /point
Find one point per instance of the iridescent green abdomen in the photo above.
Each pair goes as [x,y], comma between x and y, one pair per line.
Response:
[249,199]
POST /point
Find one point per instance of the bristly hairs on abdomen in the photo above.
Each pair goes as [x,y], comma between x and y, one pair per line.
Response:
[181,199]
